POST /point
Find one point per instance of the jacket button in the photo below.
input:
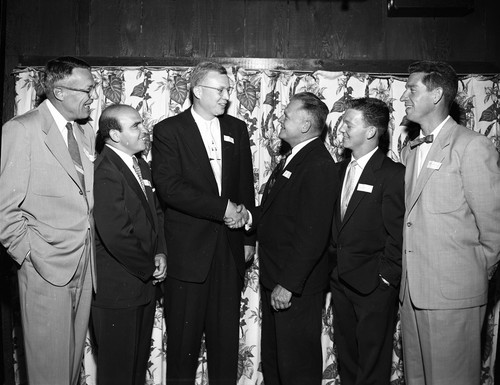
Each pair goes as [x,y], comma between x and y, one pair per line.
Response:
[81,192]
[408,224]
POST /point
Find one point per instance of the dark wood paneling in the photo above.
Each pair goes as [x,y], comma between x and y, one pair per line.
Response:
[335,32]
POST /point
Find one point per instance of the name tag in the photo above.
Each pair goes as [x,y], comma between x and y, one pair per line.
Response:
[434,165]
[365,188]
[287,174]
[146,182]
[228,139]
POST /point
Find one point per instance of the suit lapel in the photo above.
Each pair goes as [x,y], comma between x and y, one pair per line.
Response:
[227,152]
[293,165]
[367,177]
[56,145]
[130,179]
[195,143]
[435,154]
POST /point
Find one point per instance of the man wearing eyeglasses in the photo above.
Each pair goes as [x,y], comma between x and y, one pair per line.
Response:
[46,180]
[202,168]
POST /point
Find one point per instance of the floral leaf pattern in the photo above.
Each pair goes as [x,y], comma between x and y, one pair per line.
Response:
[259,100]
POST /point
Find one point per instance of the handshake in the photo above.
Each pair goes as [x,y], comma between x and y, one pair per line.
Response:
[236,216]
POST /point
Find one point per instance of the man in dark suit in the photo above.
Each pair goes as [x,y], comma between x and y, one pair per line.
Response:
[293,228]
[46,224]
[130,249]
[202,166]
[367,235]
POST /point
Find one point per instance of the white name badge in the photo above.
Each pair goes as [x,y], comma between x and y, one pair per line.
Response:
[434,165]
[228,139]
[365,188]
[287,174]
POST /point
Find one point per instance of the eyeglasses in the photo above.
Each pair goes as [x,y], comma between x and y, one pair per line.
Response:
[221,90]
[89,92]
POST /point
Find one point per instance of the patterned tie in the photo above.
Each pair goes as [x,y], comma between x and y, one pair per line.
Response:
[215,156]
[349,188]
[419,141]
[138,172]
[75,154]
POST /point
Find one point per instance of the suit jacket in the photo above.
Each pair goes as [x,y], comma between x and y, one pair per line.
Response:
[129,233]
[452,220]
[369,240]
[293,223]
[43,209]
[186,185]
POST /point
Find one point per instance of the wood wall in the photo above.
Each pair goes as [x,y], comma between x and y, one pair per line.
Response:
[335,33]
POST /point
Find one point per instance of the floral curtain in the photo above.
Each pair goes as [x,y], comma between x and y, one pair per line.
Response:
[259,100]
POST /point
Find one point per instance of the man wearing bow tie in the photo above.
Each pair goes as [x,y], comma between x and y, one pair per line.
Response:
[130,249]
[367,237]
[46,180]
[451,234]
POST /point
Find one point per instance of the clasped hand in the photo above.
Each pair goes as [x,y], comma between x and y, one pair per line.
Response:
[236,216]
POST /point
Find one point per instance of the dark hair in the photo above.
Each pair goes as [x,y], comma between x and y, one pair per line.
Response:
[60,68]
[108,121]
[315,107]
[438,74]
[375,113]
[202,69]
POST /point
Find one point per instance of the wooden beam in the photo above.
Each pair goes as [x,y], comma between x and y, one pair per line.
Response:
[392,67]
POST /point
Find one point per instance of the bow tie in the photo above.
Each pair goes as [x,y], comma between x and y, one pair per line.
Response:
[419,141]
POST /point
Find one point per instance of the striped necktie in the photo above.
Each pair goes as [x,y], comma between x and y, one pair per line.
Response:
[138,172]
[75,154]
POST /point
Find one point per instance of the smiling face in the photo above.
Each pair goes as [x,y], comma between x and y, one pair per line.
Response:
[131,139]
[293,123]
[418,99]
[74,104]
[208,101]
[354,130]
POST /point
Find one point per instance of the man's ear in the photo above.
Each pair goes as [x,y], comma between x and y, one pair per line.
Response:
[437,94]
[114,135]
[371,132]
[306,127]
[58,93]
[196,92]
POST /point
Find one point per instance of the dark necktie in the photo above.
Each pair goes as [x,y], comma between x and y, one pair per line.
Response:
[138,172]
[75,154]
[274,176]
[419,141]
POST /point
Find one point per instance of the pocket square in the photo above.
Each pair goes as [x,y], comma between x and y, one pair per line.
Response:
[91,157]
[229,139]
[147,182]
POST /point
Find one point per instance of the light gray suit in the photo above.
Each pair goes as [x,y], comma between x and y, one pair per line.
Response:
[451,238]
[46,225]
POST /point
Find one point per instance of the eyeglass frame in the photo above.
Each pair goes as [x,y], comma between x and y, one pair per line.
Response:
[220,90]
[88,92]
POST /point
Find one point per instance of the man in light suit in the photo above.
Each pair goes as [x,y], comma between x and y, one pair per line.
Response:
[202,167]
[451,234]
[46,181]
[367,235]
[130,249]
[293,228]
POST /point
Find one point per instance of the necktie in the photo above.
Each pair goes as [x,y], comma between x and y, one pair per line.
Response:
[75,154]
[138,172]
[274,176]
[419,141]
[349,188]
[215,156]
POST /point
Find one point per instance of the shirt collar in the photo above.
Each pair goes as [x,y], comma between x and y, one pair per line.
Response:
[58,118]
[124,156]
[200,121]
[297,148]
[437,130]
[363,160]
